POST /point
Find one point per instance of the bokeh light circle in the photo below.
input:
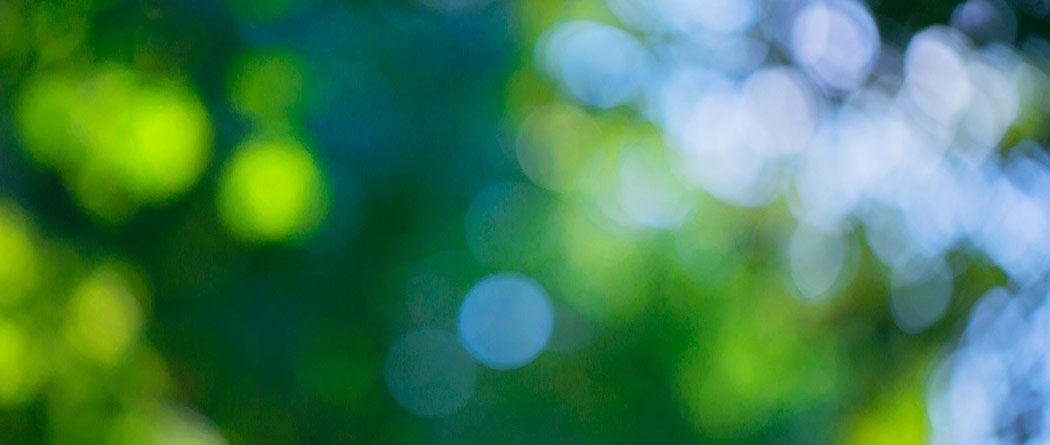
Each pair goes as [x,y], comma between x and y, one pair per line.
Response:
[553,146]
[600,65]
[708,16]
[21,369]
[429,374]
[836,42]
[105,317]
[647,191]
[935,77]
[921,292]
[20,261]
[119,138]
[816,261]
[782,109]
[44,118]
[167,148]
[986,20]
[271,190]
[506,320]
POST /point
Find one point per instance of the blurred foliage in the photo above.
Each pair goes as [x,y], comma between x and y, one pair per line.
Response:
[217,217]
